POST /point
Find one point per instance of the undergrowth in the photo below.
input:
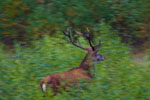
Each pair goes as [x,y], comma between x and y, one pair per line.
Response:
[116,78]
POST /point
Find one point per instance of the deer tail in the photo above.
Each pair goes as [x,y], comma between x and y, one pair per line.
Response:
[43,86]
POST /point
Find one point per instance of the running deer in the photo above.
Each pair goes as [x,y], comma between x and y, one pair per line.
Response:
[74,75]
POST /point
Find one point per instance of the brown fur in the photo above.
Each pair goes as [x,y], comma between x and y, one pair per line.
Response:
[66,79]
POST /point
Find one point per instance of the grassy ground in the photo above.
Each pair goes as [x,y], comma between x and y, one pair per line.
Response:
[117,78]
[139,56]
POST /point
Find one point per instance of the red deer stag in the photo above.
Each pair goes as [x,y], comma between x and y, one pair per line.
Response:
[74,75]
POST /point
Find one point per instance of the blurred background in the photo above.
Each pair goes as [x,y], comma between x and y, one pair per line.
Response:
[32,46]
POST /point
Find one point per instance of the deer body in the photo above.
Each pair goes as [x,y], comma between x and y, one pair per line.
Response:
[64,79]
[73,76]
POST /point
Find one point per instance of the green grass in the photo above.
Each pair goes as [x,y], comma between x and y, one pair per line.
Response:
[116,78]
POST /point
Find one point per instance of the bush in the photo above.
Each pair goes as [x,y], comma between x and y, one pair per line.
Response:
[27,20]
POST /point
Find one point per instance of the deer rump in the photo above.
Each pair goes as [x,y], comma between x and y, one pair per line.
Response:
[65,79]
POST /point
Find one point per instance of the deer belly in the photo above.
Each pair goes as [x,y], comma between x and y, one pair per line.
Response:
[75,78]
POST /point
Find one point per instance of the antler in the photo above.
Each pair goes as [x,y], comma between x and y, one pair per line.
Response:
[89,39]
[68,34]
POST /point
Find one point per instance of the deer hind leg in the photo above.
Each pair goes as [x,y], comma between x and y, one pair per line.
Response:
[54,89]
[54,84]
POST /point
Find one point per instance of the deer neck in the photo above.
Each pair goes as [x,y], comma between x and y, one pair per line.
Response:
[87,64]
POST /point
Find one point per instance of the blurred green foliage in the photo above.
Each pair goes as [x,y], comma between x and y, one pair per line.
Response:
[28,20]
[117,78]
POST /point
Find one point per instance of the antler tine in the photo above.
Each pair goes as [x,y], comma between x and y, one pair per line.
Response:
[88,31]
[69,36]
[79,33]
[67,33]
[89,39]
